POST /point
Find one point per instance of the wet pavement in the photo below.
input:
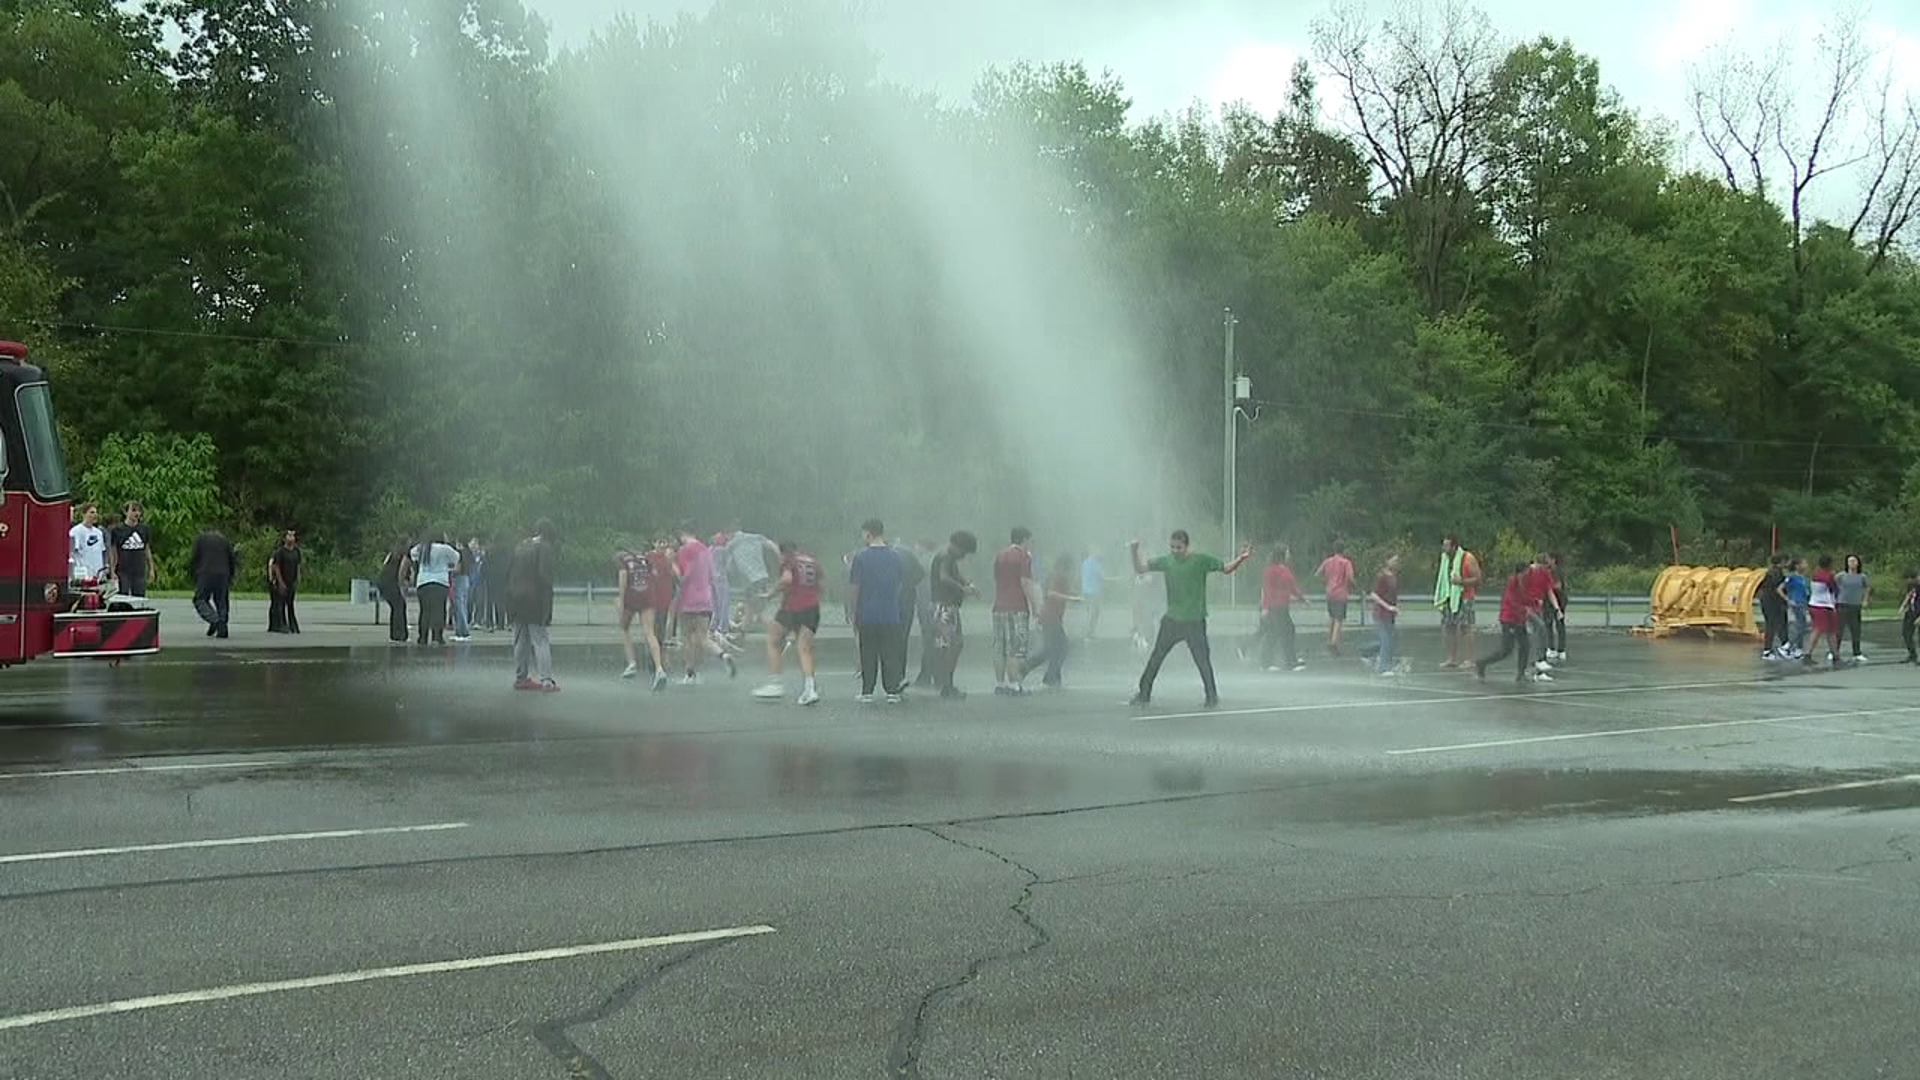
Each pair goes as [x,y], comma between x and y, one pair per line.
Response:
[1673,861]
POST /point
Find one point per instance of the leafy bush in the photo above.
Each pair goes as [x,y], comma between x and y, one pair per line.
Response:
[175,479]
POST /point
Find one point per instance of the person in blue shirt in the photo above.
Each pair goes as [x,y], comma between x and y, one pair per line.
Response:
[1093,589]
[1798,592]
[876,578]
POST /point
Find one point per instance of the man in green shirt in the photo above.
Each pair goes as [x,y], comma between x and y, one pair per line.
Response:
[1186,618]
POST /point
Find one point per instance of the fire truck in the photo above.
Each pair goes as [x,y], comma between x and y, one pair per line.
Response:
[45,606]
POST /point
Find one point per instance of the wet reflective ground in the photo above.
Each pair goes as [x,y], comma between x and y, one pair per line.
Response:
[1671,862]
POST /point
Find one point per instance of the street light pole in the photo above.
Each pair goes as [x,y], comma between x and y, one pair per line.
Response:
[1229,472]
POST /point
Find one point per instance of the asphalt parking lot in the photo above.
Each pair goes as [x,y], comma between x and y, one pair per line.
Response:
[380,862]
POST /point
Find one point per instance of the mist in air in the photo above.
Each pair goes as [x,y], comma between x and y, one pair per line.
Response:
[816,297]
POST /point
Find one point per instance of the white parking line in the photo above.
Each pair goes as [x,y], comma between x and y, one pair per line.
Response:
[109,771]
[1332,706]
[229,841]
[1795,793]
[1617,732]
[313,982]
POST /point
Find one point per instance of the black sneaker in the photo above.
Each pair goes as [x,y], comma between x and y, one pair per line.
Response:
[1210,703]
[1140,701]
[952,693]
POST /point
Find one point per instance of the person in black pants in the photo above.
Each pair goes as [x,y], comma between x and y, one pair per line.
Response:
[1186,573]
[1513,627]
[390,590]
[877,579]
[1773,608]
[213,564]
[1910,614]
[283,578]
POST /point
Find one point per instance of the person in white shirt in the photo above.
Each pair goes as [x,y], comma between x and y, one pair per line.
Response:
[433,565]
[87,545]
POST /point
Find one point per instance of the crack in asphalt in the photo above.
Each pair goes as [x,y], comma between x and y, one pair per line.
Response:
[1897,843]
[580,1065]
[903,1055]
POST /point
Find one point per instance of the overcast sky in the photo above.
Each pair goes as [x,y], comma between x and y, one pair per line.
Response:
[1173,52]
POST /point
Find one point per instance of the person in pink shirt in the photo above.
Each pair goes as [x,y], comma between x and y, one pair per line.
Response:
[1336,571]
[693,567]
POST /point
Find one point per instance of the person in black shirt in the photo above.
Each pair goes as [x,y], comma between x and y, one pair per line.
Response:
[950,590]
[390,589]
[1773,609]
[129,553]
[530,607]
[283,578]
[496,570]
[213,564]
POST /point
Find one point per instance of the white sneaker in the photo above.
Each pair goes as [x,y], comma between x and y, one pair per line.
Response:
[632,670]
[809,696]
[1275,668]
[894,699]
[689,679]
[1541,676]
[772,691]
[863,699]
[1769,655]
[1859,658]
[462,638]
[1542,667]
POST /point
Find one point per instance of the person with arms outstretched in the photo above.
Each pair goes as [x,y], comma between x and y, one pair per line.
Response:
[1186,573]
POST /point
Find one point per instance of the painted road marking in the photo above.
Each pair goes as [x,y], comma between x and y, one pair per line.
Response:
[229,841]
[1854,785]
[345,978]
[27,729]
[1330,706]
[110,771]
[1617,732]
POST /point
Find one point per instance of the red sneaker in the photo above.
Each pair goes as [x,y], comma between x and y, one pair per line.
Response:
[525,684]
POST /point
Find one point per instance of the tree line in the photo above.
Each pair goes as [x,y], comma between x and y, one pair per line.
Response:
[368,268]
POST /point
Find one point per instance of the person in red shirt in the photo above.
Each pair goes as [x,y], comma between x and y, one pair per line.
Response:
[1278,591]
[799,615]
[638,570]
[1053,622]
[1336,570]
[1385,596]
[1513,626]
[1015,598]
[1542,605]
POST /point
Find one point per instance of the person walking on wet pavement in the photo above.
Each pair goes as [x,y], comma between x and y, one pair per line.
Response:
[1454,589]
[1773,609]
[1056,594]
[799,615]
[1336,570]
[1540,606]
[636,602]
[283,580]
[392,573]
[1186,573]
[530,608]
[1278,591]
[213,562]
[1910,614]
[693,568]
[433,565]
[495,569]
[924,552]
[1385,598]
[875,581]
[950,591]
[130,552]
[1514,611]
[1852,592]
[1015,597]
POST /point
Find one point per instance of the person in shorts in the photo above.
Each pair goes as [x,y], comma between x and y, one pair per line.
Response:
[1015,598]
[799,616]
[1336,571]
[1453,593]
[693,566]
[950,590]
[637,593]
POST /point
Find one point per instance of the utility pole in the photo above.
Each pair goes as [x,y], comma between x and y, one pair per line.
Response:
[1229,515]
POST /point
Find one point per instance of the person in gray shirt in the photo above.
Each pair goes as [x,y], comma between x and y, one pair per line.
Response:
[1854,589]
